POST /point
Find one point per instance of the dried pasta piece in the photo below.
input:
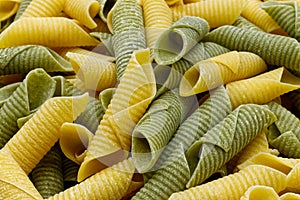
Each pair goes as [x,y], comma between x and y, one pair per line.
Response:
[106,40]
[47,31]
[26,98]
[171,3]
[105,7]
[260,192]
[96,73]
[216,13]
[17,60]
[262,88]
[42,8]
[4,24]
[80,137]
[7,91]
[227,186]
[47,176]
[219,70]
[110,183]
[24,4]
[8,8]
[179,39]
[82,10]
[43,128]
[14,182]
[286,14]
[242,22]
[290,196]
[225,140]
[254,13]
[101,25]
[130,101]
[105,97]
[156,127]
[70,170]
[274,49]
[284,134]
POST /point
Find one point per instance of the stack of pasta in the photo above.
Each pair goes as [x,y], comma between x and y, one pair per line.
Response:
[149,99]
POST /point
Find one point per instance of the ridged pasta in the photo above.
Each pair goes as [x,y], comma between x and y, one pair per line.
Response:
[273,49]
[179,39]
[82,10]
[260,192]
[219,70]
[96,73]
[7,91]
[262,88]
[26,98]
[43,128]
[286,14]
[47,176]
[216,13]
[14,183]
[103,184]
[293,178]
[24,4]
[47,31]
[105,97]
[130,101]
[226,187]
[70,170]
[128,32]
[106,39]
[17,60]
[254,13]
[8,8]
[105,7]
[101,25]
[284,134]
[242,22]
[225,140]
[42,8]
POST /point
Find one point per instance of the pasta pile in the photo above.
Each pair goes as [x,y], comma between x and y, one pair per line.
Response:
[149,99]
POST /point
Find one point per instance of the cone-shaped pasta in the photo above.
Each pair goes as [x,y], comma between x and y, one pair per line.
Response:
[105,7]
[260,192]
[179,39]
[225,140]
[105,97]
[235,185]
[254,13]
[128,32]
[82,10]
[284,134]
[286,14]
[101,25]
[26,98]
[172,178]
[24,4]
[80,137]
[8,8]
[43,128]
[216,13]
[242,22]
[47,176]
[262,88]
[157,18]
[219,70]
[14,183]
[18,60]
[293,178]
[47,31]
[110,183]
[156,127]
[43,8]
[273,49]
[133,95]
[7,91]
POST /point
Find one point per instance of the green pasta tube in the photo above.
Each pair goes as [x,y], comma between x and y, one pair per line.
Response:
[70,170]
[225,140]
[286,14]
[242,22]
[47,176]
[26,98]
[179,39]
[274,49]
[157,126]
[6,92]
[105,7]
[22,8]
[128,32]
[18,60]
[284,134]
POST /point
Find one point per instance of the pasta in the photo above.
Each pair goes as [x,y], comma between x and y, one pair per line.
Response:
[8,8]
[6,92]
[260,192]
[178,39]
[43,8]
[105,97]
[70,170]
[106,39]
[242,22]
[23,6]
[219,70]
[57,32]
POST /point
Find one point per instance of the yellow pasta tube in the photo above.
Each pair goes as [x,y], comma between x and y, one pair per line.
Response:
[235,185]
[110,183]
[260,192]
[14,182]
[83,10]
[96,73]
[47,31]
[134,93]
[293,178]
[8,8]
[262,88]
[43,8]
[217,12]
[41,132]
[219,70]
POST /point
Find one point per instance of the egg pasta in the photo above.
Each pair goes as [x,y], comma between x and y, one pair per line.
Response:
[42,8]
